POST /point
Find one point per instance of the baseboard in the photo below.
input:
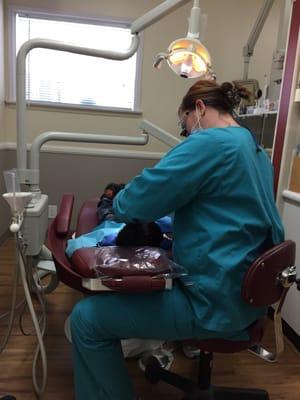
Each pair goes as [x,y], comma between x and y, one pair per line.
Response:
[289,332]
[4,236]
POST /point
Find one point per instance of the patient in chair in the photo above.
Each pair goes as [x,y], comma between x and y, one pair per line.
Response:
[132,234]
[110,231]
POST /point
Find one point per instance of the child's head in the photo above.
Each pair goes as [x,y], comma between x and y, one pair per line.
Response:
[140,234]
[112,189]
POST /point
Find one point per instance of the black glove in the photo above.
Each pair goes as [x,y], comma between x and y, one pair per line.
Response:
[140,234]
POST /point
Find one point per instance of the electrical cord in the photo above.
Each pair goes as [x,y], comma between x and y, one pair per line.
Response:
[39,325]
[11,313]
[36,287]
[21,324]
[40,331]
[4,315]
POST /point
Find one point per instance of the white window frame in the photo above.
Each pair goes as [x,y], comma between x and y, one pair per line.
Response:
[11,87]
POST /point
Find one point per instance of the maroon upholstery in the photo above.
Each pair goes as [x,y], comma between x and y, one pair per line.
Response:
[87,217]
[135,284]
[255,332]
[57,241]
[260,285]
[64,215]
[83,260]
[86,259]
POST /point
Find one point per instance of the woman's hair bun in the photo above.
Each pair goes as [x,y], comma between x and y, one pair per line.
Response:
[235,93]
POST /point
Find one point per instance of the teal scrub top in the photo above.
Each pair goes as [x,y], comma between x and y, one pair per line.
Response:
[220,189]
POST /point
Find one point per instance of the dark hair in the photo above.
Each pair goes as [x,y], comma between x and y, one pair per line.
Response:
[140,234]
[224,97]
[111,189]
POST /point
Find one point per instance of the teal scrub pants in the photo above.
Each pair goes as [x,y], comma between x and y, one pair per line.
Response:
[99,322]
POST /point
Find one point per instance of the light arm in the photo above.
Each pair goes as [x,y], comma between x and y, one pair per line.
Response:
[257,28]
[156,14]
[158,133]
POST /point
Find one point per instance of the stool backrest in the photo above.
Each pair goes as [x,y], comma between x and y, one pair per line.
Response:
[261,286]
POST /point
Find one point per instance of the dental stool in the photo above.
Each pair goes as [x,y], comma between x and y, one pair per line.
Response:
[266,282]
[78,272]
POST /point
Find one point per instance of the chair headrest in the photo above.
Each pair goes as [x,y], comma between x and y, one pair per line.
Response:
[261,286]
[87,218]
[63,218]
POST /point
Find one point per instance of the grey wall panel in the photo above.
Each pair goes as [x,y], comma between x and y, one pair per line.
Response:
[84,176]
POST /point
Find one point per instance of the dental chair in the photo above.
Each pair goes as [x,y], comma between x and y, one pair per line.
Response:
[266,282]
[78,272]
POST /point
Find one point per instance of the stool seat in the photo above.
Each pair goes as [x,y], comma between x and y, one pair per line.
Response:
[255,332]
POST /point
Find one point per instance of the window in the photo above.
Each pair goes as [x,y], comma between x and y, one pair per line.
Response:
[58,77]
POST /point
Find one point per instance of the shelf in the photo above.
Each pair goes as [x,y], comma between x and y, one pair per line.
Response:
[257,114]
[288,194]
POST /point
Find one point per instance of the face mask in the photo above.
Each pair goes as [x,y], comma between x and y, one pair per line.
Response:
[197,127]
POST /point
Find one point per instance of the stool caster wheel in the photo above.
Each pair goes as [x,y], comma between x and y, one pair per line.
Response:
[152,370]
[7,397]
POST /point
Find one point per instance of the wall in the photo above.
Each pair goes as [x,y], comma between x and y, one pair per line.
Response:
[229,25]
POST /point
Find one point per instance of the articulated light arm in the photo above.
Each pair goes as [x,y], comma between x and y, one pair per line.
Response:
[257,28]
[153,130]
[156,14]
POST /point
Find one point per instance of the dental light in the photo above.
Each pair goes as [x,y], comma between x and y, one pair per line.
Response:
[188,57]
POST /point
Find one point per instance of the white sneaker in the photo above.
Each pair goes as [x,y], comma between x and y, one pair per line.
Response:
[163,356]
[190,352]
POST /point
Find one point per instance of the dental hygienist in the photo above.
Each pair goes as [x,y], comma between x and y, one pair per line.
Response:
[219,184]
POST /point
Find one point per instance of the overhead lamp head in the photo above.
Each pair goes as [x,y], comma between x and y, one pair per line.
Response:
[188,57]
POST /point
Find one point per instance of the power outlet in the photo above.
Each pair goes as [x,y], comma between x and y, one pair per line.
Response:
[52,211]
